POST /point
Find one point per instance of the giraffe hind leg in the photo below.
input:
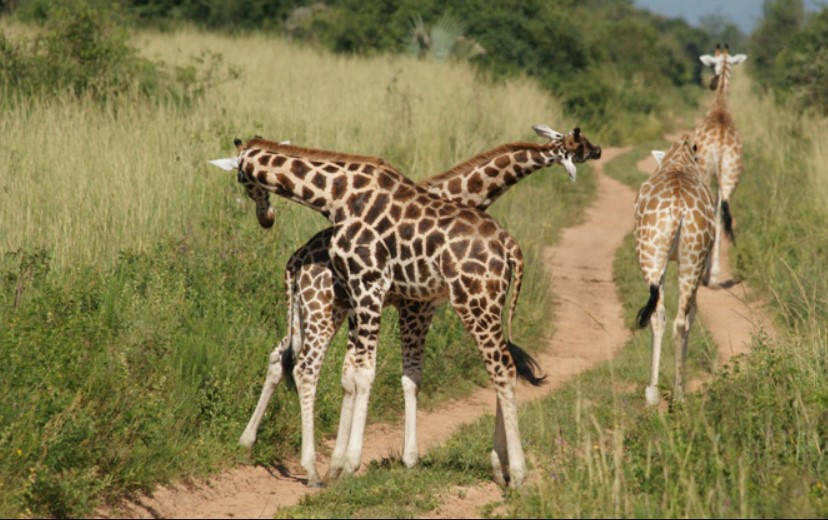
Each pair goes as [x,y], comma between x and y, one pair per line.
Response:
[274,376]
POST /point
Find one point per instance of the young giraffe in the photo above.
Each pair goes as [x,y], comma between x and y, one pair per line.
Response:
[674,220]
[720,150]
[394,239]
[317,299]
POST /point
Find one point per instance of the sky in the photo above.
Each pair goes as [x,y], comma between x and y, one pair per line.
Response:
[744,13]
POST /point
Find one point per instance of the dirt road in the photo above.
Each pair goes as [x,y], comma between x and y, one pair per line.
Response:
[589,329]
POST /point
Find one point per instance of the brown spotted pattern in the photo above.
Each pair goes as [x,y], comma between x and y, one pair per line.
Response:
[322,298]
[393,240]
[674,220]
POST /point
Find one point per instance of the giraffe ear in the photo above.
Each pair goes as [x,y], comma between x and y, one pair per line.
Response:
[545,131]
[658,155]
[708,60]
[229,164]
[737,59]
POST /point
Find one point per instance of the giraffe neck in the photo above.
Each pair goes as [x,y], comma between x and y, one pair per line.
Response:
[482,179]
[723,87]
[335,185]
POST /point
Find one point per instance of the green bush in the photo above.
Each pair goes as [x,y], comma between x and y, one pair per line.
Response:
[84,49]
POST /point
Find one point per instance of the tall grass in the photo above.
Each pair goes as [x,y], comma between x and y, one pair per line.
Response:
[139,297]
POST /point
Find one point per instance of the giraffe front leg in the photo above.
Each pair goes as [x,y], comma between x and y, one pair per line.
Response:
[657,325]
[275,372]
[343,435]
[415,320]
[367,332]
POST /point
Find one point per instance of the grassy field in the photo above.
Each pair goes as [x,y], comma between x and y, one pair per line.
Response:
[751,445]
[139,298]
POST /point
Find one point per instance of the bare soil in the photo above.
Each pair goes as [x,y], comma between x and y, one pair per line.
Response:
[589,328]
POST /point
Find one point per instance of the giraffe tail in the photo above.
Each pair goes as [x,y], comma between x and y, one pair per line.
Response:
[289,355]
[646,312]
[526,366]
[727,219]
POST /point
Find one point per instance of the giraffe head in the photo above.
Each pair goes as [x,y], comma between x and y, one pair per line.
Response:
[567,149]
[721,61]
[681,153]
[264,211]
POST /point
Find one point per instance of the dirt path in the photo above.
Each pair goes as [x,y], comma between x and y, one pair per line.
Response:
[589,329]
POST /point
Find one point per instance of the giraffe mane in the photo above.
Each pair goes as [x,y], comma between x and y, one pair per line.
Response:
[313,154]
[479,159]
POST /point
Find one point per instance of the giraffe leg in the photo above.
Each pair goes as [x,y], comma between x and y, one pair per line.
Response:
[691,269]
[306,374]
[657,325]
[681,334]
[500,454]
[714,272]
[508,463]
[343,435]
[274,377]
[415,320]
[367,326]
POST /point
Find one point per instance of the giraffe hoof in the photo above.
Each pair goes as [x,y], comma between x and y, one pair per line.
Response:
[652,396]
[316,484]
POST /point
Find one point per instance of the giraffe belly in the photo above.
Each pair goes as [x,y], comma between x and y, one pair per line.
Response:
[431,290]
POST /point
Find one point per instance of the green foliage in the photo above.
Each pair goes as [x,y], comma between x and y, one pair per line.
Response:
[800,71]
[84,49]
[782,19]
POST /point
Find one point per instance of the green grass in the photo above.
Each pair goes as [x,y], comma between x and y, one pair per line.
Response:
[139,298]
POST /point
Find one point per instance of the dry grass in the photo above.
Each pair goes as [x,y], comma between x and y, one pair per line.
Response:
[88,182]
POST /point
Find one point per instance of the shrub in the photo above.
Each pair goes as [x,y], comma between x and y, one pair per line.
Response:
[84,50]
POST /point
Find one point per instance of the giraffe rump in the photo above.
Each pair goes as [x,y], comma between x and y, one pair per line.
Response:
[646,312]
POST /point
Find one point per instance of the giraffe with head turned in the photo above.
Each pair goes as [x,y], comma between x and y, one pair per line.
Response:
[720,150]
[318,303]
[674,220]
[394,239]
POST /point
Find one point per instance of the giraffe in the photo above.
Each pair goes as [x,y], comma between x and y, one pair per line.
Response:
[317,299]
[674,220]
[394,239]
[720,150]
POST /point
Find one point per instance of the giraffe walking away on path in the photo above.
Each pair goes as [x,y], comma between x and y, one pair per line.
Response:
[720,151]
[674,220]
[318,303]
[394,239]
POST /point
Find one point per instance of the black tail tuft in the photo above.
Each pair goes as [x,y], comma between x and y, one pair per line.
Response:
[728,221]
[527,368]
[646,312]
[287,367]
